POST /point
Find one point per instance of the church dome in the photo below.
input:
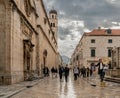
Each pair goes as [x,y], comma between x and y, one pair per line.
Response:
[53,11]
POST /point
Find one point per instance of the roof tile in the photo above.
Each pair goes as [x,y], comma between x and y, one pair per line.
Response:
[103,32]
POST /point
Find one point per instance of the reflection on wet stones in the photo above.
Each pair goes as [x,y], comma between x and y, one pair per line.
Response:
[53,88]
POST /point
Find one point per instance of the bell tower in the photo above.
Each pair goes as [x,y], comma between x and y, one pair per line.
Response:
[53,18]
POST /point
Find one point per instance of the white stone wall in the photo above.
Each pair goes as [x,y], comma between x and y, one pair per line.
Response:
[116,57]
[101,44]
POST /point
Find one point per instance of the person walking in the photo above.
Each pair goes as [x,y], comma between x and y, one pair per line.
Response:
[66,71]
[79,72]
[56,71]
[53,71]
[46,71]
[101,71]
[61,70]
[76,72]
[92,68]
[87,71]
[83,70]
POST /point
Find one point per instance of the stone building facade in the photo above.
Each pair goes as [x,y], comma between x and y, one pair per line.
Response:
[115,68]
[28,42]
[95,45]
[116,57]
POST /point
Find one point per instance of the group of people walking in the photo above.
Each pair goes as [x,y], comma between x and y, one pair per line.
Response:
[63,71]
[83,72]
[54,72]
[88,72]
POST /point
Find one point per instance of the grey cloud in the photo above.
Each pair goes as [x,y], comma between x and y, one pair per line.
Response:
[94,13]
[63,33]
[91,11]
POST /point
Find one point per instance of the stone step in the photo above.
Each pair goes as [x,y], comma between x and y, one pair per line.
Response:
[112,79]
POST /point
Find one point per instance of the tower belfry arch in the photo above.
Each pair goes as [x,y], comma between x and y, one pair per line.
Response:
[54,21]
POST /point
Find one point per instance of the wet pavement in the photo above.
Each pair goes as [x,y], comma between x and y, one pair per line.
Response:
[9,90]
[81,88]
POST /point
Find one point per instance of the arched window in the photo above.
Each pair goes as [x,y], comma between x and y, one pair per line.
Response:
[51,24]
[52,16]
[45,52]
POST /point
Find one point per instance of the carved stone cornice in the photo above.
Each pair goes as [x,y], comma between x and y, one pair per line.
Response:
[24,17]
[25,29]
[28,44]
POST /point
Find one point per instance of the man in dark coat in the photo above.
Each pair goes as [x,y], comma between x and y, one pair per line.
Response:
[101,70]
[53,71]
[61,70]
[66,71]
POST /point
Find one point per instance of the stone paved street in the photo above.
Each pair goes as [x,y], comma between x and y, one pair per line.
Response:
[82,88]
[6,91]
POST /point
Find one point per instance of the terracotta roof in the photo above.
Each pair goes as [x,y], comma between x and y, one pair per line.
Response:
[104,32]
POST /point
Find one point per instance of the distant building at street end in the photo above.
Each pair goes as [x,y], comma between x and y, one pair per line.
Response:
[65,60]
[95,45]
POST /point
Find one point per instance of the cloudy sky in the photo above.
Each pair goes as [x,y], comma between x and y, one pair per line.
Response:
[79,16]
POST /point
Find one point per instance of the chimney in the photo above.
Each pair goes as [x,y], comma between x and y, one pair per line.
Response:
[108,31]
[99,28]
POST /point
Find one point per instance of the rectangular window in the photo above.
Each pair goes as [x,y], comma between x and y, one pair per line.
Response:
[92,40]
[92,52]
[109,52]
[109,40]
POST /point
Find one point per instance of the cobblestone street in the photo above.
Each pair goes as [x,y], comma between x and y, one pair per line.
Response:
[82,88]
